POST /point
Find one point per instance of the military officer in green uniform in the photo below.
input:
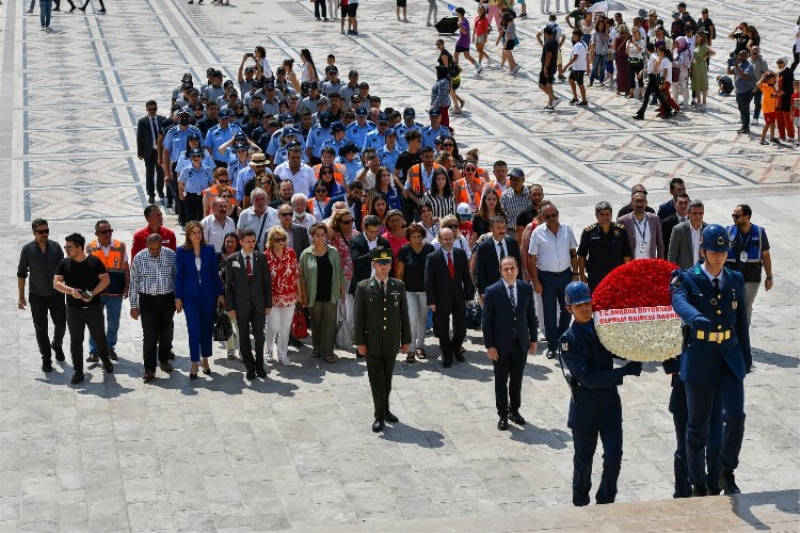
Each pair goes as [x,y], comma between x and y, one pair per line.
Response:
[382,330]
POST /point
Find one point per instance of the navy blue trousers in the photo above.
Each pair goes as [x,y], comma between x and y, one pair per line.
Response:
[554,285]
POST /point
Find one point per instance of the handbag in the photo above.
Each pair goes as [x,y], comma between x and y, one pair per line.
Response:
[299,324]
[344,336]
[223,329]
[474,315]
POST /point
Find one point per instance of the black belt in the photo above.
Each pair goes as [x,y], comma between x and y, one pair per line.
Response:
[170,294]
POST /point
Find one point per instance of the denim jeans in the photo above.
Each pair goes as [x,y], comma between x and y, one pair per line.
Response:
[743,103]
[418,316]
[599,68]
[45,7]
[113,307]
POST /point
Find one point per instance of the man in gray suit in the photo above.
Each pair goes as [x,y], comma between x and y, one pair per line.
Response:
[298,235]
[643,229]
[684,244]
[248,298]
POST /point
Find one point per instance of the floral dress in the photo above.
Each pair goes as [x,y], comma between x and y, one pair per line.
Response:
[285,273]
[342,245]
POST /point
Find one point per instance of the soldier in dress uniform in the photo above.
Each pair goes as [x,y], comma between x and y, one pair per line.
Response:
[603,247]
[382,330]
[595,408]
[716,356]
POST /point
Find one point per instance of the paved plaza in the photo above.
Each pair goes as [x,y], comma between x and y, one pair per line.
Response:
[296,451]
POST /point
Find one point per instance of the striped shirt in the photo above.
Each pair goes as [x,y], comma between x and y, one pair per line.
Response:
[441,206]
[150,275]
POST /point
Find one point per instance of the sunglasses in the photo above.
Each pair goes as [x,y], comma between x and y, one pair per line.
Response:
[448,145]
[68,248]
[327,173]
[347,221]
[286,214]
[321,191]
[224,181]
[550,217]
[42,231]
[280,240]
[106,231]
[736,217]
[452,226]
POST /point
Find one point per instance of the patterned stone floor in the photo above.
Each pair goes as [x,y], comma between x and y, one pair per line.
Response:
[296,451]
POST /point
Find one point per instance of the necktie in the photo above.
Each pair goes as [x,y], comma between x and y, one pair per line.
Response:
[383,290]
[248,268]
[511,296]
[450,266]
[153,131]
[716,287]
[502,250]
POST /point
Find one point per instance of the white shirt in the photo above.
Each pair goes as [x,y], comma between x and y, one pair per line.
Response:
[579,50]
[695,242]
[641,230]
[797,38]
[249,220]
[552,251]
[215,232]
[652,63]
[307,221]
[303,180]
[666,64]
[497,247]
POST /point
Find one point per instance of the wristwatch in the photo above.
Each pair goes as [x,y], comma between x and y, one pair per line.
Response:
[769,278]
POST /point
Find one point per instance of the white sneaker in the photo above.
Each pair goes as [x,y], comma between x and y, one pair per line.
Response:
[556,102]
[754,122]
[549,107]
[478,67]
[284,361]
[515,70]
[232,355]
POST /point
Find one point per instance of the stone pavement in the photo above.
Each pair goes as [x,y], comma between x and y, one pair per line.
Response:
[296,452]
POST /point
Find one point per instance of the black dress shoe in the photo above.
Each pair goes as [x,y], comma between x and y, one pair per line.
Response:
[515,417]
[638,117]
[47,367]
[77,377]
[727,482]
[699,490]
[389,417]
[459,356]
[108,366]
[261,373]
[59,351]
[502,424]
[171,355]
[251,375]
[295,343]
[447,364]
[377,426]
[550,354]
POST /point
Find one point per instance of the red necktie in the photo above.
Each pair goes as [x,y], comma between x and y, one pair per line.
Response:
[248,268]
[450,265]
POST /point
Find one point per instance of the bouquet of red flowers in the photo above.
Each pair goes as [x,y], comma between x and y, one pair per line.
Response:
[633,311]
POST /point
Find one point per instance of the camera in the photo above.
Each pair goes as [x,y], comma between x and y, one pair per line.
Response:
[250,54]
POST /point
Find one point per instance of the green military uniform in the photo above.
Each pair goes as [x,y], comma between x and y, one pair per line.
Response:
[382,324]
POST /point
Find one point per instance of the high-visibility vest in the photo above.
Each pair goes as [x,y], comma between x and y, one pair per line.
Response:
[339,172]
[114,263]
[212,192]
[460,192]
[316,208]
[494,185]
[414,176]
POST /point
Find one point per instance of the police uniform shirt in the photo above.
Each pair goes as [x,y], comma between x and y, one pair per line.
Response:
[240,179]
[184,161]
[336,145]
[329,87]
[389,157]
[429,135]
[268,107]
[275,141]
[357,134]
[374,139]
[317,138]
[212,93]
[603,250]
[196,179]
[308,103]
[217,136]
[347,92]
[401,130]
[175,140]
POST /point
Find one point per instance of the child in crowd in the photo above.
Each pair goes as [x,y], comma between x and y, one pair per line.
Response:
[725,84]
[767,86]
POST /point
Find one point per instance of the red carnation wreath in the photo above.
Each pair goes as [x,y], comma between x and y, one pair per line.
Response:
[633,311]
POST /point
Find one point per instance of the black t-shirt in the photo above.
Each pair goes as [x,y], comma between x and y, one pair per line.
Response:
[480,226]
[206,124]
[551,46]
[405,161]
[81,275]
[324,278]
[707,24]
[526,217]
[414,266]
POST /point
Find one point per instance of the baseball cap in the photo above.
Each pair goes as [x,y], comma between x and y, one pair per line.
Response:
[434,113]
[361,112]
[224,113]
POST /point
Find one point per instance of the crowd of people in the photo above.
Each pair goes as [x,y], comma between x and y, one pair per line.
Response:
[300,196]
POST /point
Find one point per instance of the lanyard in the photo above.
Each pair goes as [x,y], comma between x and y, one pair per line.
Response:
[643,227]
[431,231]
[741,244]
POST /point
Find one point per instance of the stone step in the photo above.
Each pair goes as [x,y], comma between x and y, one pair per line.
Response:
[772,510]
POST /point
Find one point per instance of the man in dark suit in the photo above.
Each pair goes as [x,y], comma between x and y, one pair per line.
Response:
[248,298]
[676,188]
[382,327]
[509,327]
[148,150]
[448,287]
[360,248]
[681,214]
[684,245]
[491,251]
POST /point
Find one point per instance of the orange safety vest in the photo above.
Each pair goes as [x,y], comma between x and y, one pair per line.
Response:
[494,185]
[114,263]
[317,211]
[339,172]
[212,192]
[460,191]
[414,176]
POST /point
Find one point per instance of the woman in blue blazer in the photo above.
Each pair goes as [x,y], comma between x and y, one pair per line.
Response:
[198,289]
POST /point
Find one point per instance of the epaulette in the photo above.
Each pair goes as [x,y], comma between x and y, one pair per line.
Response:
[590,227]
[619,226]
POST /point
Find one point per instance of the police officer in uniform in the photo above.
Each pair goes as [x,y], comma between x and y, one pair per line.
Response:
[595,408]
[603,247]
[430,133]
[357,131]
[409,123]
[382,328]
[716,356]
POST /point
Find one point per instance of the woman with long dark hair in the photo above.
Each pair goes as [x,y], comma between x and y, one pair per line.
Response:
[308,72]
[440,195]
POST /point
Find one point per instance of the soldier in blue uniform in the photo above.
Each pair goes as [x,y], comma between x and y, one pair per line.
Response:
[319,135]
[290,140]
[595,408]
[219,135]
[348,156]
[430,133]
[377,138]
[357,132]
[337,141]
[287,121]
[409,123]
[389,152]
[716,356]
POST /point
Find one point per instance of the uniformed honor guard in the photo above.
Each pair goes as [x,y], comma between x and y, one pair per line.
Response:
[382,329]
[603,247]
[595,408]
[716,356]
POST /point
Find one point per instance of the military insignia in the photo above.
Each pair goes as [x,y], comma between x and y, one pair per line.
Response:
[676,279]
[616,233]
[735,305]
[713,301]
[720,240]
[564,346]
